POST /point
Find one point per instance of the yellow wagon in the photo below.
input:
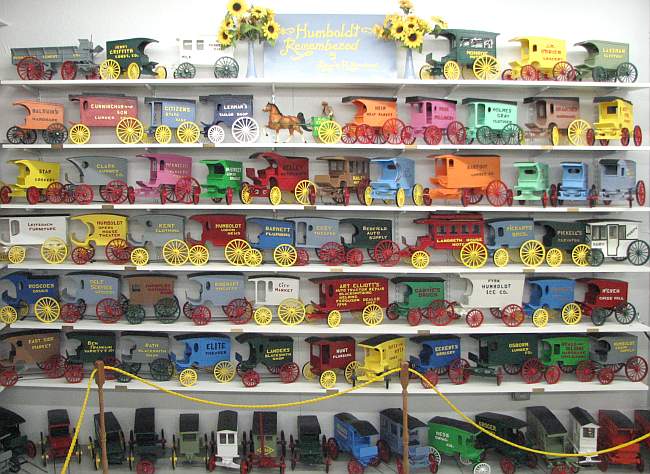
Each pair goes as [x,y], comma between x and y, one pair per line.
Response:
[36,181]
[615,122]
[102,230]
[541,58]
[381,354]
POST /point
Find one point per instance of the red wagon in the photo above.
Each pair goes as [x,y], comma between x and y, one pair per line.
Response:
[218,230]
[607,296]
[327,355]
[642,424]
[615,429]
[100,110]
[375,121]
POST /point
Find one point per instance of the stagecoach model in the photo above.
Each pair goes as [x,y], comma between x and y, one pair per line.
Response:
[486,291]
[615,122]
[545,432]
[327,356]
[606,61]
[469,178]
[514,239]
[616,181]
[37,181]
[345,175]
[273,352]
[223,181]
[574,185]
[381,354]
[234,111]
[115,441]
[101,230]
[56,442]
[14,445]
[44,116]
[551,117]
[433,118]
[107,173]
[33,294]
[172,114]
[25,351]
[468,49]
[48,233]
[365,294]
[420,456]
[541,58]
[458,439]
[357,437]
[375,121]
[309,448]
[95,290]
[396,182]
[224,445]
[617,239]
[606,297]
[127,56]
[565,240]
[615,429]
[136,349]
[511,354]
[38,63]
[492,122]
[89,347]
[533,183]
[204,50]
[154,291]
[145,445]
[265,449]
[116,111]
[323,127]
[509,428]
[550,296]
[206,352]
[583,432]
[437,353]
[189,447]
[611,353]
[642,424]
[170,178]
[218,290]
[422,297]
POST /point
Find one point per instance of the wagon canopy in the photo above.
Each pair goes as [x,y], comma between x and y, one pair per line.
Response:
[227,420]
[98,170]
[145,421]
[395,415]
[473,100]
[269,420]
[188,423]
[376,341]
[610,98]
[58,417]
[608,54]
[9,419]
[552,426]
[110,421]
[457,424]
[415,99]
[362,427]
[621,421]
[500,420]
[308,425]
[582,416]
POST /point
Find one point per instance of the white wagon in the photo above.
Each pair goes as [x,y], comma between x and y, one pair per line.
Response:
[204,50]
[280,291]
[224,444]
[49,233]
[583,434]
[617,239]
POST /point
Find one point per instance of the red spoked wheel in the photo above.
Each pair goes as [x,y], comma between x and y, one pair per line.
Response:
[68,70]
[497,193]
[512,315]
[432,135]
[386,253]
[512,369]
[366,134]
[433,464]
[585,371]
[30,69]
[250,379]
[354,467]
[118,251]
[302,257]
[354,257]
[532,371]
[212,464]
[69,193]
[590,137]
[109,311]
[54,193]
[625,136]
[229,196]
[639,192]
[239,311]
[459,371]
[456,133]
[331,253]
[187,190]
[145,467]
[53,367]
[414,316]
[564,71]
[606,375]
[441,312]
[603,141]
[636,369]
[392,312]
[83,194]
[399,466]
[114,192]
[529,73]
[74,373]
[559,469]
[407,135]
[70,313]
[637,135]
[332,448]
[349,134]
[82,255]
[289,372]
[507,466]
[553,195]
[496,313]
[383,451]
[506,75]
[5,195]
[552,374]
[470,196]
[432,377]
[201,315]
[8,377]
[474,318]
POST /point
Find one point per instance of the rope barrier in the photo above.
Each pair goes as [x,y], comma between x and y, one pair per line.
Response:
[451,405]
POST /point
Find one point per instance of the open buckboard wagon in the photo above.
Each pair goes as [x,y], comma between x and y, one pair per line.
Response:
[37,63]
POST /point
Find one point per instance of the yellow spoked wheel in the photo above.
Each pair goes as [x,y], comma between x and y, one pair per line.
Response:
[175,252]
[580,255]
[47,309]
[275,195]
[420,259]
[223,371]
[188,377]
[328,379]
[418,195]
[285,255]
[329,132]
[160,72]
[129,130]
[334,318]
[426,73]
[400,197]
[367,196]
[571,313]
[235,252]
[163,134]
[501,257]
[577,132]
[540,317]
[350,370]
[109,69]
[253,258]
[372,315]
[54,250]
[451,71]
[133,71]
[199,255]
[263,316]
[307,372]
[79,134]
[304,192]
[291,312]
[139,256]
[532,253]
[17,254]
[555,135]
[245,194]
[486,68]
[554,257]
[188,132]
[8,314]
[473,254]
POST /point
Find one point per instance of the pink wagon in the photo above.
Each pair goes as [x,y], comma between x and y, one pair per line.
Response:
[170,177]
[433,118]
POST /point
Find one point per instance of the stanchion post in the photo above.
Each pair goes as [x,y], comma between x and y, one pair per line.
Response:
[404,381]
[100,378]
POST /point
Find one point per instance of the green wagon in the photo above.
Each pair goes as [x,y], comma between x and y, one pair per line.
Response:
[533,183]
[189,447]
[607,61]
[564,351]
[545,432]
[310,448]
[422,296]
[223,181]
[126,56]
[458,439]
[493,122]
[510,428]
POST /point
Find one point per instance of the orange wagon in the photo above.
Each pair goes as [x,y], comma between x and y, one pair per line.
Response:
[375,121]
[44,116]
[469,177]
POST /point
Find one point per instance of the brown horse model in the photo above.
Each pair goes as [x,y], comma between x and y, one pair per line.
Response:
[278,122]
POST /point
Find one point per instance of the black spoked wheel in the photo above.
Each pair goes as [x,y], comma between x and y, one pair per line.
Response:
[226,68]
[185,71]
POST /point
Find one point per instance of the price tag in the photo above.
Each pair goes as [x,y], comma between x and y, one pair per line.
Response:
[331,391]
[67,327]
[423,332]
[412,146]
[529,270]
[121,388]
[538,390]
[57,146]
[236,330]
[336,269]
[572,209]
[596,330]
[108,207]
[309,208]
[208,145]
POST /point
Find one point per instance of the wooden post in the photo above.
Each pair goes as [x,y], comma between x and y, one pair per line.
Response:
[100,378]
[404,381]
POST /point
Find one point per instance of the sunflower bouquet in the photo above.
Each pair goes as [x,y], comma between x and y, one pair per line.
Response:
[406,29]
[242,22]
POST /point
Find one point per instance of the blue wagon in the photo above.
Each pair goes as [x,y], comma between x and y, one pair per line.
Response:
[616,180]
[277,235]
[396,182]
[552,295]
[204,351]
[513,239]
[234,111]
[37,293]
[437,353]
[218,290]
[172,114]
[390,441]
[574,185]
[98,290]
[357,437]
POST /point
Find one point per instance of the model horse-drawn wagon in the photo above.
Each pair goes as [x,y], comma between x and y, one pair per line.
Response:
[170,178]
[375,121]
[204,50]
[234,111]
[606,61]
[31,353]
[541,58]
[273,352]
[46,117]
[127,56]
[116,111]
[327,355]
[38,63]
[433,118]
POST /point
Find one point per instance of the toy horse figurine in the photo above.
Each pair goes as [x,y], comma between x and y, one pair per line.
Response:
[278,122]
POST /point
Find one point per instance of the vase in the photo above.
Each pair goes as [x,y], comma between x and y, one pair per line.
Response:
[250,68]
[409,71]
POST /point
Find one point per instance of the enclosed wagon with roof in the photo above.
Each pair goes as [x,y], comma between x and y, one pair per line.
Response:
[540,58]
[117,111]
[375,121]
[434,119]
[30,354]
[615,122]
[234,111]
[152,291]
[224,444]
[551,117]
[46,117]
[511,429]
[327,356]
[189,447]
[98,291]
[612,353]
[617,239]
[170,179]
[492,122]
[357,437]
[203,352]
[32,294]
[552,296]
[396,182]
[606,61]
[422,298]
[273,352]
[309,448]
[127,56]
[382,354]
[436,355]
[167,114]
[58,439]
[225,291]
[223,181]
[583,433]
[106,175]
[116,452]
[615,429]
[148,351]
[145,446]
[545,432]
[458,439]
[204,50]
[48,233]
[346,174]
[267,449]
[616,180]
[14,445]
[501,295]
[86,348]
[605,297]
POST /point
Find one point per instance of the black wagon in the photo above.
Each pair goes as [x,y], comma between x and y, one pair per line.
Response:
[115,442]
[310,448]
[145,445]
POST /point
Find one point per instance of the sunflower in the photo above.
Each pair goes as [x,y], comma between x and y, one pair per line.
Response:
[270,13]
[439,21]
[271,30]
[227,24]
[413,39]
[237,8]
[224,38]
[405,5]
[411,23]
[378,31]
[257,12]
[397,29]
[388,19]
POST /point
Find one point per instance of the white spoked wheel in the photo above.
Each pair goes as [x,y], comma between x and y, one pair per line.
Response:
[245,130]
[482,468]
[216,134]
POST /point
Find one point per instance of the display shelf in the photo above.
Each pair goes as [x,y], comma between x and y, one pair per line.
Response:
[346,328]
[68,266]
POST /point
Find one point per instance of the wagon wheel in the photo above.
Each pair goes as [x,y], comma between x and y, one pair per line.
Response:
[253,257]
[226,68]
[485,135]
[134,313]
[53,367]
[626,72]
[426,73]
[606,375]
[83,194]
[580,255]
[577,132]
[400,197]
[199,255]
[474,318]
[637,135]
[349,134]
[54,193]
[327,379]
[109,69]
[235,252]
[133,71]
[512,369]
[349,373]
[216,134]
[70,313]
[82,255]
[54,250]
[30,68]
[175,252]
[392,131]
[372,314]
[625,136]
[201,315]
[187,190]
[263,316]
[430,380]
[129,130]
[188,377]
[501,257]
[245,130]
[167,310]
[552,374]
[456,133]
[639,192]
[289,372]
[109,311]
[414,316]
[585,371]
[451,71]
[291,312]
[636,368]
[223,371]
[420,259]
[407,135]
[513,315]
[79,134]
[8,314]
[625,313]
[329,132]
[305,193]
[532,370]
[163,134]
[540,317]
[115,191]
[563,71]
[185,71]
[571,313]
[47,309]
[497,193]
[459,371]
[386,253]
[74,373]
[417,194]
[16,254]
[188,132]
[161,370]
[507,465]
[473,255]
[275,196]
[638,252]
[441,312]
[486,68]
[285,255]
[331,253]
[512,134]
[118,251]
[532,253]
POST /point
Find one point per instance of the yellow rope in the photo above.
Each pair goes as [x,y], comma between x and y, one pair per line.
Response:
[82,413]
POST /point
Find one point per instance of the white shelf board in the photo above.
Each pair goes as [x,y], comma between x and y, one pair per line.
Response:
[67,266]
